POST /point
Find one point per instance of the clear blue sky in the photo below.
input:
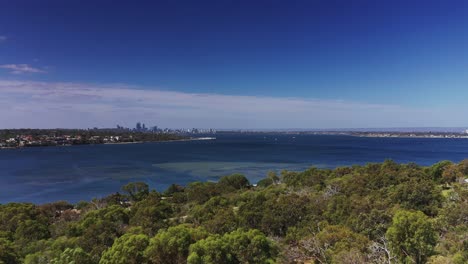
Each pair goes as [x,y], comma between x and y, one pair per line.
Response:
[333,57]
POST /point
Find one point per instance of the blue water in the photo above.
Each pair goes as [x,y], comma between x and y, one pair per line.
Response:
[77,173]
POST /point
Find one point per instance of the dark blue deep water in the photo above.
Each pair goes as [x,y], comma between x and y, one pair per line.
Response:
[76,173]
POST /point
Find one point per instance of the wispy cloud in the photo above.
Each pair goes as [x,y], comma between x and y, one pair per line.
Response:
[53,104]
[3,38]
[21,68]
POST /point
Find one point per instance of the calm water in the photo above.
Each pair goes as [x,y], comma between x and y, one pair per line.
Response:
[82,172]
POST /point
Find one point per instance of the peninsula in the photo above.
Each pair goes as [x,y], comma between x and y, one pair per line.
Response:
[18,138]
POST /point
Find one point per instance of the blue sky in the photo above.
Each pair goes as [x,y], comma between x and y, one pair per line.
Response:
[323,64]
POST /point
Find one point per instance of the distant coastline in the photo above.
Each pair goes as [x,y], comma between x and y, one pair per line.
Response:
[173,140]
[23,138]
[371,134]
[20,138]
[116,143]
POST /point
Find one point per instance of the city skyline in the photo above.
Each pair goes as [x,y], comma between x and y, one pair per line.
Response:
[233,64]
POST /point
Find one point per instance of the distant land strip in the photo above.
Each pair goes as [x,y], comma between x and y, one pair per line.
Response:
[382,134]
[19,138]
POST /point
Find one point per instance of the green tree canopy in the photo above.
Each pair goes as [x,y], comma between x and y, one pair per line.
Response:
[97,229]
[437,169]
[200,192]
[171,246]
[150,213]
[412,236]
[233,182]
[240,246]
[8,254]
[73,256]
[136,190]
[127,249]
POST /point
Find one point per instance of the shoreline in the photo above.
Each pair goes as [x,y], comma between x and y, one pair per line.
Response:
[116,143]
[175,140]
[369,134]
